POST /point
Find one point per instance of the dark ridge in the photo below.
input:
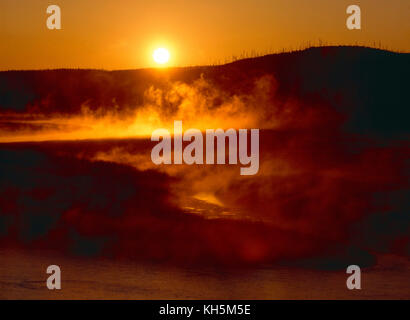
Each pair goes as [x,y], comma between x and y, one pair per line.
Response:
[369,84]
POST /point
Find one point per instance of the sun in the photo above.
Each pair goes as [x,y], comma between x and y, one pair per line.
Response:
[161,55]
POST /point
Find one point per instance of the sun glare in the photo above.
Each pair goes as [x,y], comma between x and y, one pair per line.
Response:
[161,55]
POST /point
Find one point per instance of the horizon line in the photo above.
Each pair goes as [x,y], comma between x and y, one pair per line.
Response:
[233,59]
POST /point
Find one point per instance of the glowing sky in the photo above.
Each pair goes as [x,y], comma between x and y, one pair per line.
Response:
[115,34]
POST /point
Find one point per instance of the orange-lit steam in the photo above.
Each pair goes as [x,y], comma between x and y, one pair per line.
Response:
[200,105]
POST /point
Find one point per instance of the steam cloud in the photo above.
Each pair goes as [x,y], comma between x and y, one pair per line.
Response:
[324,187]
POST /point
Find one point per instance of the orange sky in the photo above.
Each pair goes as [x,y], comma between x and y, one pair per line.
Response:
[114,34]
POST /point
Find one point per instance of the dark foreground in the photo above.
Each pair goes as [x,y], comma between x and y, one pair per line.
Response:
[23,276]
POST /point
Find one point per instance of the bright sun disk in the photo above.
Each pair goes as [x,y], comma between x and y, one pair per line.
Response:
[161,55]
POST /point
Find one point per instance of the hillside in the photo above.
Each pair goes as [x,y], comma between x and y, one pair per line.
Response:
[332,188]
[368,84]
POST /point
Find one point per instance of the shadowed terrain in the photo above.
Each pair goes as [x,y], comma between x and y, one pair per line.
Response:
[332,187]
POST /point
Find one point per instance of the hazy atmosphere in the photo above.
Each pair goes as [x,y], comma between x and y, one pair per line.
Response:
[122,34]
[226,149]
